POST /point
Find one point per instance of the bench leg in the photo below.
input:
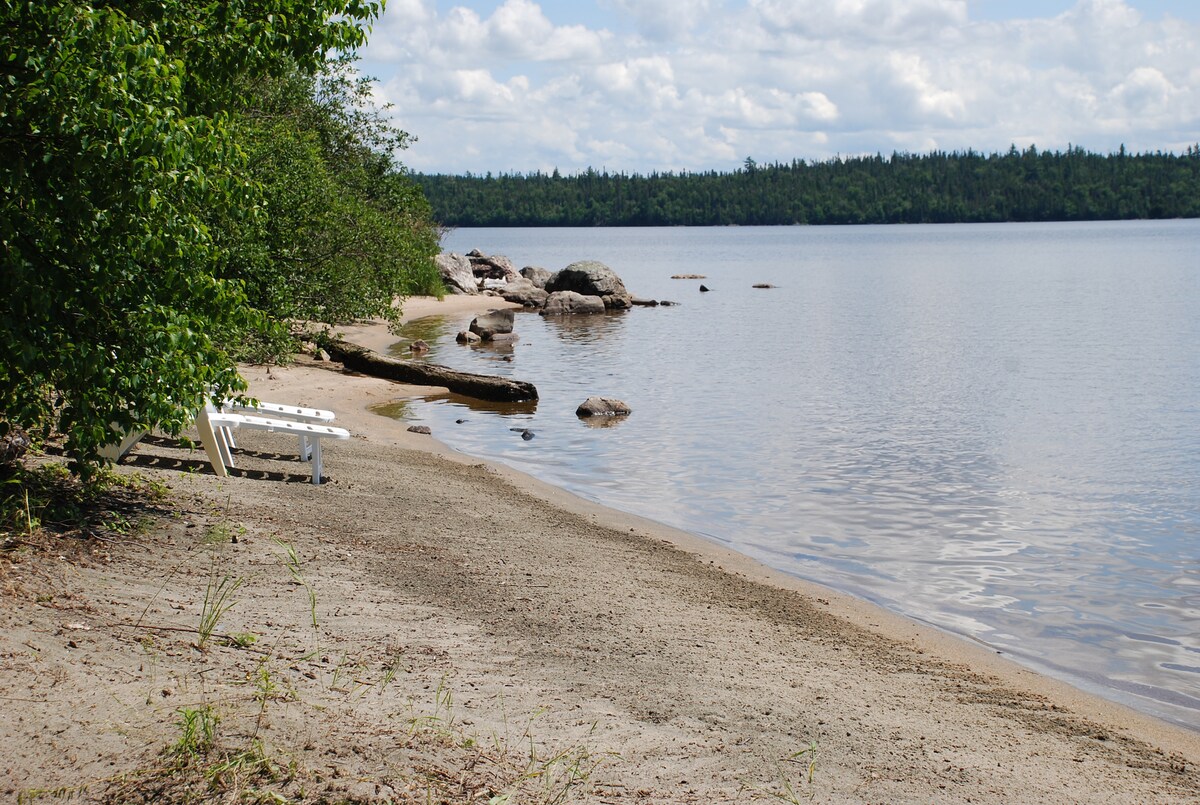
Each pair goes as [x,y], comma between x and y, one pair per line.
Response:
[316,460]
[225,444]
[211,442]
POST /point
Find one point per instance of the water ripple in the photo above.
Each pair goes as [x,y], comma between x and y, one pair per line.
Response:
[990,428]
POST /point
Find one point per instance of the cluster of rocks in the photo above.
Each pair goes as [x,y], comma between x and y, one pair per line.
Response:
[586,286]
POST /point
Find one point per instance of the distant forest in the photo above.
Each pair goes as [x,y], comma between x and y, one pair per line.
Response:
[939,187]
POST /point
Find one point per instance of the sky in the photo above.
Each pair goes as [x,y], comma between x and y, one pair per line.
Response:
[695,85]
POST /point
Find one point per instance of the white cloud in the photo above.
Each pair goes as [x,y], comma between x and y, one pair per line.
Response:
[666,19]
[702,84]
[1145,93]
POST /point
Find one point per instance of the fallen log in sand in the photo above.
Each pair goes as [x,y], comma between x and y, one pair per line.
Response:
[421,373]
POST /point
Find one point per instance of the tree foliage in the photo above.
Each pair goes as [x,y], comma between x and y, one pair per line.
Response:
[344,229]
[130,183]
[938,187]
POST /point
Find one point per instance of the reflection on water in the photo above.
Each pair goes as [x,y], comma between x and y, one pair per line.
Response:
[428,329]
[397,409]
[991,428]
[602,422]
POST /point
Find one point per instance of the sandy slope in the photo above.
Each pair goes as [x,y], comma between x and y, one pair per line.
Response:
[464,611]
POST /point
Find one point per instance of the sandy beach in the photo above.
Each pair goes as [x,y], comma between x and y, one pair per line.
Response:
[425,627]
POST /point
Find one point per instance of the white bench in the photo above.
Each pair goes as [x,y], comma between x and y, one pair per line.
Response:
[277,411]
[215,428]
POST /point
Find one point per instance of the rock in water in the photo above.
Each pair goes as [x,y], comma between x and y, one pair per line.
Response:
[602,406]
[492,323]
[592,278]
[569,303]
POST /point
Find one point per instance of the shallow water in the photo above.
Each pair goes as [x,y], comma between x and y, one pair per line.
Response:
[992,428]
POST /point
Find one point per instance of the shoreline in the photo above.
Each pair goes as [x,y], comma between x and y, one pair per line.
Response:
[860,612]
[443,615]
[857,610]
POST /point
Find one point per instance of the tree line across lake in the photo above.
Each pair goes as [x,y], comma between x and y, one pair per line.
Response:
[939,187]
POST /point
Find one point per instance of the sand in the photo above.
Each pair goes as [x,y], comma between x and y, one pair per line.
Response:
[479,634]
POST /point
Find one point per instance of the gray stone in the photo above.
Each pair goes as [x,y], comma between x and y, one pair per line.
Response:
[537,275]
[523,292]
[420,429]
[640,302]
[704,289]
[569,303]
[602,406]
[468,337]
[503,338]
[492,267]
[457,274]
[592,278]
[492,323]
[418,346]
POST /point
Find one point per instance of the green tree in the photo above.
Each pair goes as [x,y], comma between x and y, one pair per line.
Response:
[117,155]
[344,230]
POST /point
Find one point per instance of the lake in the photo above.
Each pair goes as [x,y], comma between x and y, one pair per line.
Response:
[994,429]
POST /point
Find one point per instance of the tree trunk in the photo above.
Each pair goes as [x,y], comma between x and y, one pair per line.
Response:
[481,387]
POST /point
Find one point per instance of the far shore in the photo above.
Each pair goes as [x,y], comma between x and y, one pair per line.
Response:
[465,612]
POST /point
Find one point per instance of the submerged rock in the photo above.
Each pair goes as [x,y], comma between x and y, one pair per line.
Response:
[568,303]
[602,406]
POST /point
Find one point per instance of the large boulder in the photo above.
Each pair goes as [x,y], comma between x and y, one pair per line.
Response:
[457,274]
[524,292]
[537,275]
[592,278]
[492,323]
[492,267]
[569,303]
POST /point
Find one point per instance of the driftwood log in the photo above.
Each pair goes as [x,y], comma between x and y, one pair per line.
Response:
[481,387]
